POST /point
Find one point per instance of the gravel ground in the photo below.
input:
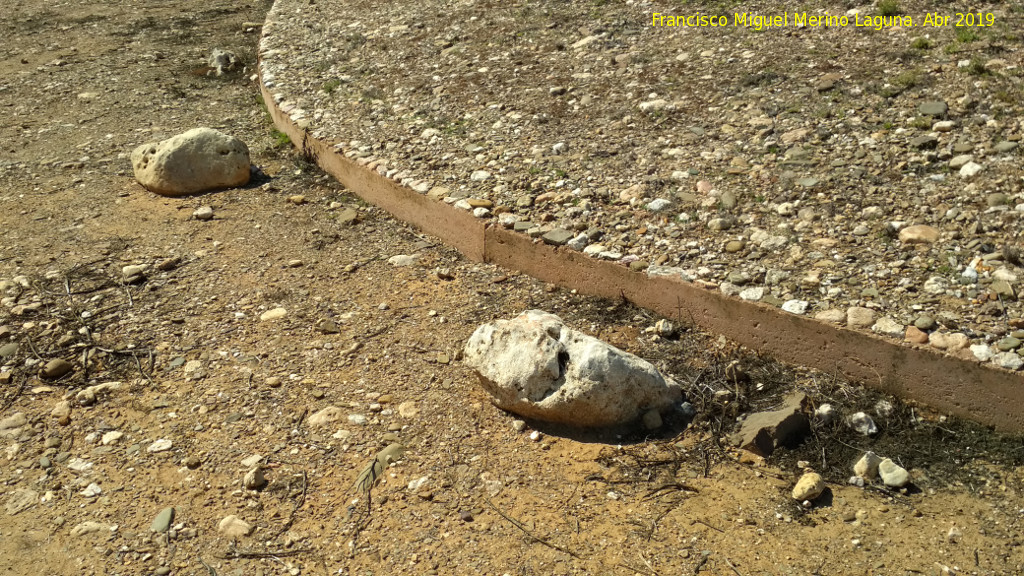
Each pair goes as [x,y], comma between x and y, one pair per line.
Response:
[247,331]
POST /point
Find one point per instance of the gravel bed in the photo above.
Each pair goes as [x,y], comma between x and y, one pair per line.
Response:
[867,177]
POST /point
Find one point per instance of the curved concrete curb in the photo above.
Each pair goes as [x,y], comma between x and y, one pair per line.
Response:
[963,388]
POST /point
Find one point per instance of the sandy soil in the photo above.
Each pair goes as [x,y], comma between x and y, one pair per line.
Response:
[199,369]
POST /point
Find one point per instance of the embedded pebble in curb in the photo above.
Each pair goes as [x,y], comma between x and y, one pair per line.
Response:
[893,475]
[867,466]
[859,317]
[795,306]
[888,326]
[862,423]
[983,352]
[809,487]
[1009,360]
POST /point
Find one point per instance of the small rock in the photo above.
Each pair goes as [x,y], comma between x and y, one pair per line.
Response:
[203,213]
[795,306]
[21,500]
[56,368]
[970,170]
[652,420]
[1009,360]
[862,423]
[90,527]
[888,326]
[234,527]
[326,416]
[893,475]
[163,520]
[404,260]
[809,487]
[557,237]
[859,317]
[915,335]
[92,490]
[933,108]
[12,425]
[951,342]
[161,445]
[920,234]
[763,432]
[867,466]
[519,425]
[983,352]
[254,479]
[273,314]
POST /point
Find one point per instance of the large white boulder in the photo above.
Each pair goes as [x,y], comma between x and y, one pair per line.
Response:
[539,368]
[196,161]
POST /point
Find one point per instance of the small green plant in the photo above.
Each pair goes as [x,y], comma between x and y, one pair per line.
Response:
[907,80]
[921,43]
[889,8]
[281,139]
[966,35]
[888,126]
[977,68]
[921,123]
[331,85]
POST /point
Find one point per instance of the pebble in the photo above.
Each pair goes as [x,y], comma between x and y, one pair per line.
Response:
[888,326]
[925,323]
[825,413]
[652,420]
[111,437]
[983,352]
[893,475]
[273,314]
[1008,343]
[254,479]
[161,445]
[920,234]
[915,336]
[21,500]
[11,425]
[863,423]
[357,419]
[795,306]
[1009,360]
[970,170]
[949,341]
[859,317]
[92,490]
[867,466]
[203,213]
[89,527]
[56,368]
[297,199]
[234,527]
[809,487]
[404,260]
[519,425]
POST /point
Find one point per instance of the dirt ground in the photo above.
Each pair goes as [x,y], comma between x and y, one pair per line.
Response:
[82,85]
